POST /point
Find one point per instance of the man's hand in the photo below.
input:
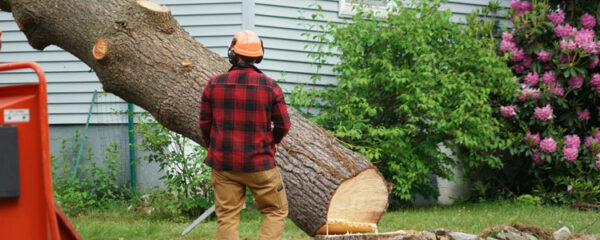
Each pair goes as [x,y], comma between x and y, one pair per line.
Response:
[275,146]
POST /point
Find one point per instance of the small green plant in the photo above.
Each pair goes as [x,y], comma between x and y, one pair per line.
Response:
[94,186]
[530,200]
[188,190]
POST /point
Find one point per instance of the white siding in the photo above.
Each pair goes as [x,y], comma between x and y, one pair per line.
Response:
[71,83]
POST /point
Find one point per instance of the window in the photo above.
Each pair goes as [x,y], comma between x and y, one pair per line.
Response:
[378,6]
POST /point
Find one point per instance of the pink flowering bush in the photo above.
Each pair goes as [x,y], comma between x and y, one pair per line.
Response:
[554,58]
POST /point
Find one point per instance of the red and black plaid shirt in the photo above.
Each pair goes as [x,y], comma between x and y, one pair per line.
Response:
[236,112]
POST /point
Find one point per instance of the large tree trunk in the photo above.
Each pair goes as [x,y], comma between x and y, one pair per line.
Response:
[141,54]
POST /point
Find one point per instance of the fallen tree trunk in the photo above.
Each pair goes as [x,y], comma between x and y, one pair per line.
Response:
[141,54]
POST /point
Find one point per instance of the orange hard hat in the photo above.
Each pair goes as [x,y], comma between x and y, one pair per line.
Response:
[247,43]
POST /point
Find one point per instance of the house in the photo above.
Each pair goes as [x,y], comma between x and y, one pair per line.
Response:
[71,83]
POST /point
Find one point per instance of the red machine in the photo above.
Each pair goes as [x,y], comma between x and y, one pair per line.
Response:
[27,208]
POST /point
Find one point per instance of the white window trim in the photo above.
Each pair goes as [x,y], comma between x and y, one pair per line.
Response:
[346,8]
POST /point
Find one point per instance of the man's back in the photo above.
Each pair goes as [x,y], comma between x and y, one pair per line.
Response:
[237,110]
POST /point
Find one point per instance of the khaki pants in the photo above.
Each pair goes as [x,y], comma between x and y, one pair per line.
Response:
[230,194]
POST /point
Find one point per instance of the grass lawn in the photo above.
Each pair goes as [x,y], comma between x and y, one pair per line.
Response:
[117,223]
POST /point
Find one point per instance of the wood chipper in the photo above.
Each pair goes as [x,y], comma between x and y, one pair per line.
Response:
[27,207]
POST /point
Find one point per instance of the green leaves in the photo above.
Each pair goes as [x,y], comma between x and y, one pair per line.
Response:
[186,178]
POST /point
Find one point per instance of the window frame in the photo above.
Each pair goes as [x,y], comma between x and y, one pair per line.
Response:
[346,8]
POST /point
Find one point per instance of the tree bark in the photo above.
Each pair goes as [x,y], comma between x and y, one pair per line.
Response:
[141,54]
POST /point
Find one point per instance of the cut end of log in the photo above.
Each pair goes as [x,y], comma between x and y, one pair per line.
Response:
[100,49]
[342,226]
[153,6]
[357,204]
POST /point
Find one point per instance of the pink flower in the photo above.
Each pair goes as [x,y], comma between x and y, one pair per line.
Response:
[518,55]
[598,161]
[569,188]
[544,113]
[570,45]
[525,6]
[506,36]
[506,46]
[544,56]
[564,59]
[570,154]
[588,21]
[583,37]
[537,159]
[548,145]
[532,78]
[564,31]
[532,139]
[515,4]
[595,80]
[594,63]
[590,47]
[527,61]
[519,68]
[572,141]
[549,78]
[576,82]
[508,111]
[529,93]
[557,17]
[558,90]
[520,7]
[590,141]
[583,115]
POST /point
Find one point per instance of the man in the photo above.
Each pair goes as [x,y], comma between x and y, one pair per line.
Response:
[237,109]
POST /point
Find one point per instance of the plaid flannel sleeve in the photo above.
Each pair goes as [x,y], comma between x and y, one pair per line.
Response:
[279,116]
[206,114]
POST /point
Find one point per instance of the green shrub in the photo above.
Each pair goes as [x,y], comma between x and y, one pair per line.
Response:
[529,200]
[187,179]
[407,83]
[94,186]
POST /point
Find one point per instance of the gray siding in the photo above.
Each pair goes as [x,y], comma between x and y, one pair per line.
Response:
[280,26]
[71,82]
